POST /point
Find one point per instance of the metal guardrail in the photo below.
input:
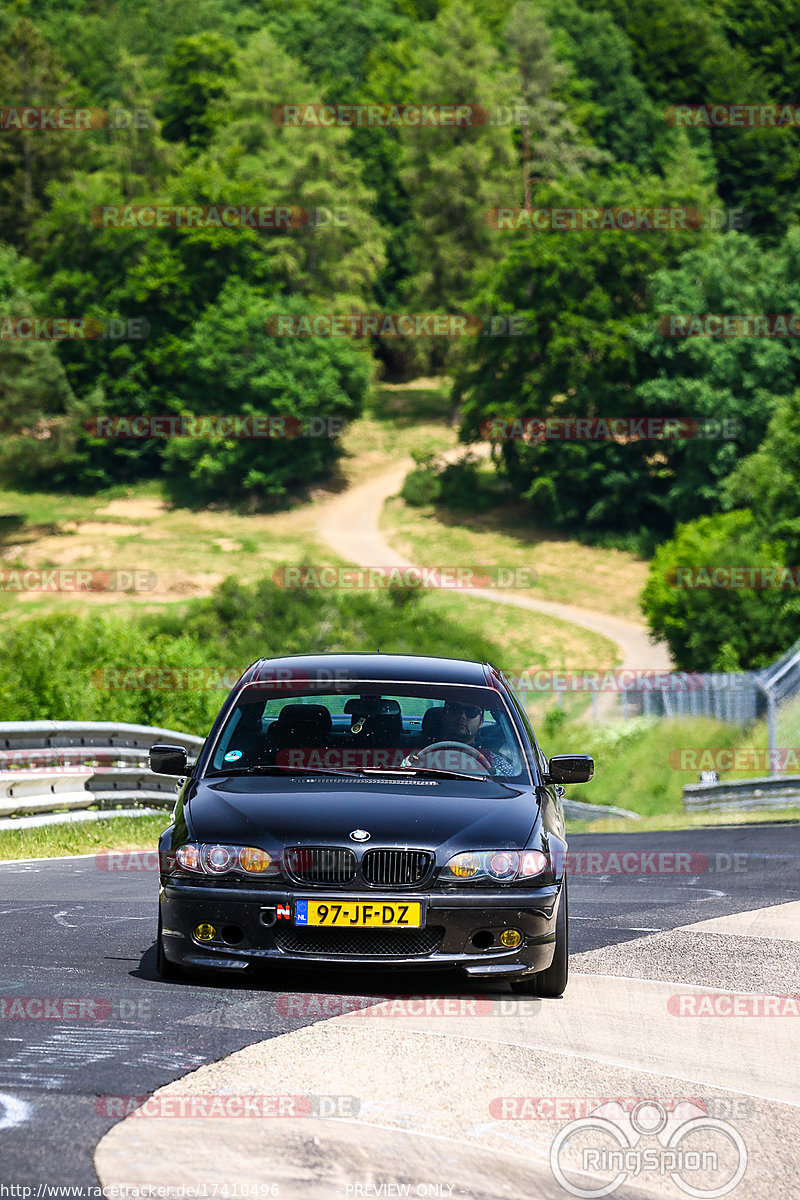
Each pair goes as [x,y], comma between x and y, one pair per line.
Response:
[28,735]
[772,792]
[39,792]
[47,766]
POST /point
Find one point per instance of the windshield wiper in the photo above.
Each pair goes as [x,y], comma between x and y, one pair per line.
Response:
[435,771]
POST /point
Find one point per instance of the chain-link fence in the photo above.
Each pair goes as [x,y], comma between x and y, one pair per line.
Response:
[772,693]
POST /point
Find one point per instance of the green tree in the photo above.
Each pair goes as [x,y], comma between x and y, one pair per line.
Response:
[453,176]
[603,90]
[232,365]
[711,628]
[31,75]
[733,378]
[253,160]
[32,380]
[583,297]
[550,144]
[768,481]
[199,71]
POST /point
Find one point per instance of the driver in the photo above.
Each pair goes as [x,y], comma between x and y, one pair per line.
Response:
[460,723]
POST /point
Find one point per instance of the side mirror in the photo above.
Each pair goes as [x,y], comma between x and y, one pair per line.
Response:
[570,768]
[169,760]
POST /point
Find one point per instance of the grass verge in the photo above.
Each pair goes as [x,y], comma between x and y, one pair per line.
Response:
[562,569]
[664,822]
[85,837]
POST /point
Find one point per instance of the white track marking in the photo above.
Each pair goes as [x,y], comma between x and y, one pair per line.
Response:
[12,1111]
[59,917]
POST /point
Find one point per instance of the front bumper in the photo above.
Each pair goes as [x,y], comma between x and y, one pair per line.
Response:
[253,932]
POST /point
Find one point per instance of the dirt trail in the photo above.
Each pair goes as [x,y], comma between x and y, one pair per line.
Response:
[349,524]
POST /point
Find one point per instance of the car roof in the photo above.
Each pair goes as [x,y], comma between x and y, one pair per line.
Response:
[390,668]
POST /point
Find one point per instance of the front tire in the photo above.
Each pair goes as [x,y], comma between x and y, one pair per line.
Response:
[550,983]
[165,968]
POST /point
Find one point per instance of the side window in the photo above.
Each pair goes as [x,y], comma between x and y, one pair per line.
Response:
[539,758]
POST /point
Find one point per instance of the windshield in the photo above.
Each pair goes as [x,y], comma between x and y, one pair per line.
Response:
[400,727]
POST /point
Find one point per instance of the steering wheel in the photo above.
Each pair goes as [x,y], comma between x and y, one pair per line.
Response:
[413,760]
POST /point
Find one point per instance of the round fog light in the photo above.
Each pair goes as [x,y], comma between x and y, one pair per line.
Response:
[510,938]
[205,933]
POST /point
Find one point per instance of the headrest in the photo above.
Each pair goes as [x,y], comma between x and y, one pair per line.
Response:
[305,714]
[433,721]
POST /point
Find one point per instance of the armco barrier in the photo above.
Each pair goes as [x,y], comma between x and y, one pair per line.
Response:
[36,792]
[25,735]
[54,765]
[772,792]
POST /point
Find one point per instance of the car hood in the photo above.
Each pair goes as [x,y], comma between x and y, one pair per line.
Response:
[325,810]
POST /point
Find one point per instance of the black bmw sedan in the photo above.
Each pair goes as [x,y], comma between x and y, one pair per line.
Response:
[369,810]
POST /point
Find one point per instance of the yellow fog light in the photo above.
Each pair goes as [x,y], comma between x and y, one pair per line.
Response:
[511,938]
[205,933]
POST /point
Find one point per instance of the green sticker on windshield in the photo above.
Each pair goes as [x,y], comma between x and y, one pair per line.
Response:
[232,755]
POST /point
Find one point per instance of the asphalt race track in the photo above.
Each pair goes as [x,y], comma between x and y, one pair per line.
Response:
[92,1023]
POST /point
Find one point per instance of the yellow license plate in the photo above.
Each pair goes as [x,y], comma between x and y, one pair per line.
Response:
[354,914]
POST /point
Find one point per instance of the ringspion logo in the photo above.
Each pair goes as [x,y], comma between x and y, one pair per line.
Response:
[705,1157]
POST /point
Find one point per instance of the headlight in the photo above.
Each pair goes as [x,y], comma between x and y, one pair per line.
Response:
[218,860]
[495,866]
[213,858]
